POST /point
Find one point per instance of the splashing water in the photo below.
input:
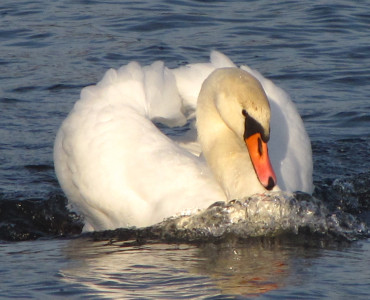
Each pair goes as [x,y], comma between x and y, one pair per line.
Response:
[270,214]
[340,215]
[274,214]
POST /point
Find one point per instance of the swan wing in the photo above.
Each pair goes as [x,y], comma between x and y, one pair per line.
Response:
[117,168]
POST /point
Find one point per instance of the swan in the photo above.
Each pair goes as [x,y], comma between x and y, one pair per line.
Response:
[118,168]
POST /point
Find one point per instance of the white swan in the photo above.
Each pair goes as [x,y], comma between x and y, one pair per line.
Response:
[118,169]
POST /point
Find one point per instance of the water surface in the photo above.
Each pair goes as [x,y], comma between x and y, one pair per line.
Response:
[318,52]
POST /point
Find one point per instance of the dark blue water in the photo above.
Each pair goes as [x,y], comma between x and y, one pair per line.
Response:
[318,52]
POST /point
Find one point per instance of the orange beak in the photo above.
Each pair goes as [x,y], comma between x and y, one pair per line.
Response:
[260,159]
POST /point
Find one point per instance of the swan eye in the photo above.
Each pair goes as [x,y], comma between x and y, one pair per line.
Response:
[244,113]
[260,150]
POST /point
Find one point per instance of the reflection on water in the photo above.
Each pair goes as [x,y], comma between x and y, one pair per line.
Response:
[244,270]
[261,267]
[112,270]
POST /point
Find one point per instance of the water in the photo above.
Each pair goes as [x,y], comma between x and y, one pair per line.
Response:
[317,52]
[79,268]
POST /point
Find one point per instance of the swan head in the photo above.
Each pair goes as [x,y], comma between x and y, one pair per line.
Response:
[233,116]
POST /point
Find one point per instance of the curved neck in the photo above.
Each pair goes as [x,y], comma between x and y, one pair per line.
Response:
[226,154]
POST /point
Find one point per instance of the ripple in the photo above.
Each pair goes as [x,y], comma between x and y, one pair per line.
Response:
[35,218]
